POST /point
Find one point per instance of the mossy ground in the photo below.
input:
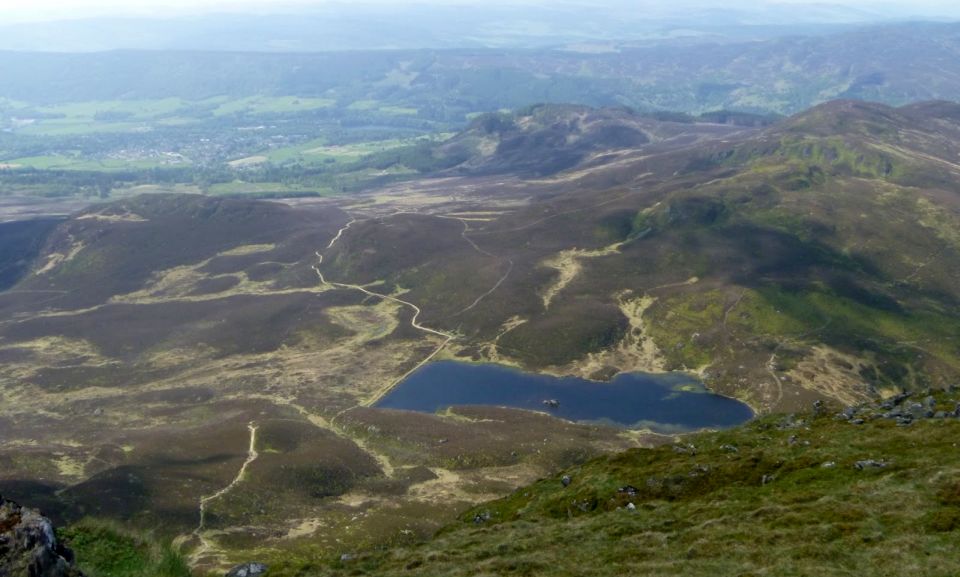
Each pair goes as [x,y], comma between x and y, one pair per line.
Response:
[780,495]
[106,549]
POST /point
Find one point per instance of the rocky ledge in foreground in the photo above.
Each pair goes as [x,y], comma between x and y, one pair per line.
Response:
[29,546]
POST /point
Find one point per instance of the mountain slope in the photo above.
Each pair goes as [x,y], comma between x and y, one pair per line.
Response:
[165,349]
[817,257]
[795,495]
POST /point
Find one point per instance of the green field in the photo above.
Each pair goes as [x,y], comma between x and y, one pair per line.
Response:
[319,152]
[63,162]
[266,104]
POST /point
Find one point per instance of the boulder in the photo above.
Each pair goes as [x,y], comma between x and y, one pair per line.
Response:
[29,545]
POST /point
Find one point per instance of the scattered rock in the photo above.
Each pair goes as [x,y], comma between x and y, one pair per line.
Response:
[817,407]
[629,490]
[869,464]
[917,410]
[631,507]
[729,448]
[481,517]
[900,398]
[829,465]
[767,479]
[687,449]
[904,420]
[346,557]
[248,570]
[857,422]
[586,505]
[566,480]
[29,546]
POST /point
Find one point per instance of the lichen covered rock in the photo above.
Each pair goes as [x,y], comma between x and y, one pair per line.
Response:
[29,546]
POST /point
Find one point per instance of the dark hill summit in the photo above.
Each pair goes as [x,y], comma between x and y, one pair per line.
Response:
[543,139]
[546,139]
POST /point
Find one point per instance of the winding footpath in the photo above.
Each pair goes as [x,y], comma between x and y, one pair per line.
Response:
[206,546]
[447,337]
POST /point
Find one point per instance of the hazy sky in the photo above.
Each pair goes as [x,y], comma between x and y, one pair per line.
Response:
[34,10]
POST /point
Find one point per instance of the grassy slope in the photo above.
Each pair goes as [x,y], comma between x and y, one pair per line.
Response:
[106,549]
[708,511]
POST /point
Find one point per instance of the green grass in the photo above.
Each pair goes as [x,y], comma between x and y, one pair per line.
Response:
[106,549]
[710,512]
[773,314]
[687,314]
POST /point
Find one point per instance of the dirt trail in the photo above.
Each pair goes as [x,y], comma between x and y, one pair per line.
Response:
[207,548]
[447,337]
[510,263]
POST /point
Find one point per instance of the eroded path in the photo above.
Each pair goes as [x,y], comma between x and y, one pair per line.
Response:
[207,548]
[447,337]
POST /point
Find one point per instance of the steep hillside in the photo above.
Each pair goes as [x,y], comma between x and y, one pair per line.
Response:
[818,493]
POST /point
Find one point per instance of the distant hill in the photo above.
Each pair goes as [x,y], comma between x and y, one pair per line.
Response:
[547,139]
[433,25]
[895,64]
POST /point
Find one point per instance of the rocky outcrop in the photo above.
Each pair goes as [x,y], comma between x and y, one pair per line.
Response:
[29,546]
[248,570]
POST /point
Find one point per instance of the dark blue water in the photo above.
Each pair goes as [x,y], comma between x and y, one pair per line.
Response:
[665,403]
